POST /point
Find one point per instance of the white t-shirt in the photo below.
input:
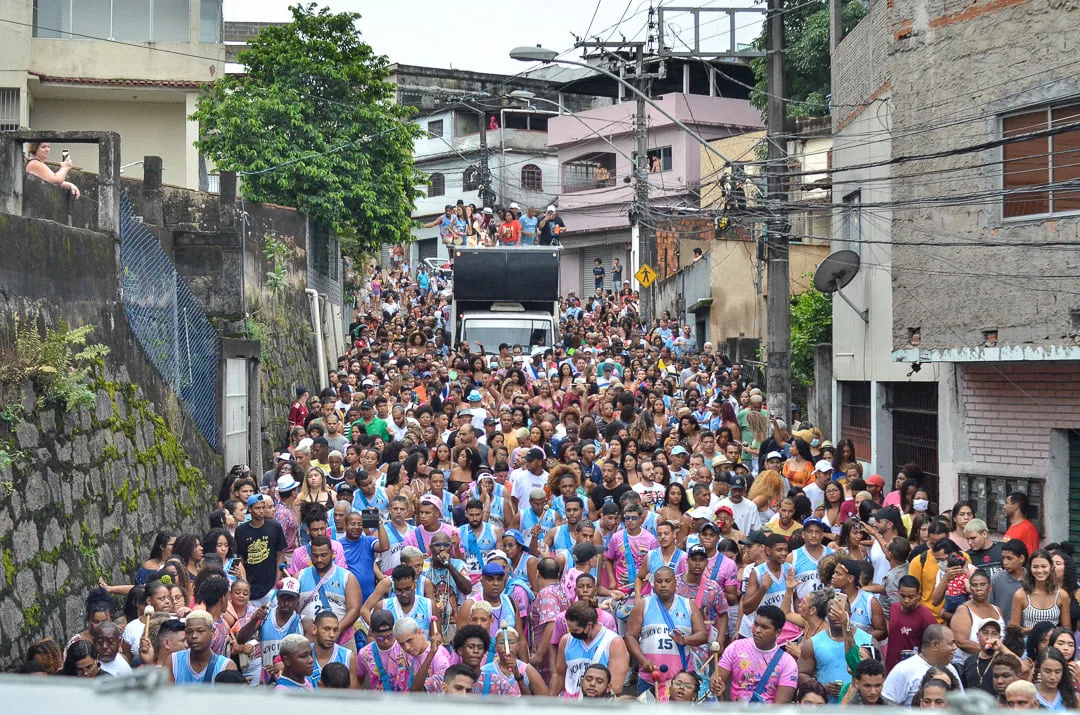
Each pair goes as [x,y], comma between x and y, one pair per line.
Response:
[133,633]
[903,680]
[524,482]
[651,496]
[815,494]
[880,560]
[118,666]
[746,514]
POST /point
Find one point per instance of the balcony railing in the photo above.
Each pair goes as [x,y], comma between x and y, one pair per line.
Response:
[574,185]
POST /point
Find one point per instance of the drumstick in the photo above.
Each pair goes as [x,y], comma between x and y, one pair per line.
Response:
[147,612]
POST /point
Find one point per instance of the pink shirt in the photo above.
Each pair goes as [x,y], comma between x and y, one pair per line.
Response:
[640,545]
[439,663]
[727,575]
[301,559]
[892,499]
[394,664]
[747,665]
[411,539]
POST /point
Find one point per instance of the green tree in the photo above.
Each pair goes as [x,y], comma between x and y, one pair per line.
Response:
[806,64]
[811,324]
[312,124]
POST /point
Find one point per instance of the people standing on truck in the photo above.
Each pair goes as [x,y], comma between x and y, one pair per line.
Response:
[509,229]
[529,226]
[550,227]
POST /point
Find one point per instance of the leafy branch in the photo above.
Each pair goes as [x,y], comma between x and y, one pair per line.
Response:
[57,362]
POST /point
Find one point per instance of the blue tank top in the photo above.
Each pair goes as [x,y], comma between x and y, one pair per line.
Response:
[529,519]
[184,675]
[341,655]
[380,501]
[806,572]
[270,636]
[861,613]
[476,548]
[563,540]
[654,560]
[421,611]
[655,637]
[330,596]
[829,657]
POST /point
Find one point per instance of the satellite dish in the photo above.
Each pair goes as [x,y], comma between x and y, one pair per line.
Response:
[836,271]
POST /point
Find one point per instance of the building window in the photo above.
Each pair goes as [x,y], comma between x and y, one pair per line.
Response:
[1032,167]
[210,21]
[659,160]
[532,178]
[9,109]
[855,406]
[987,494]
[591,171]
[436,185]
[124,20]
[435,128]
[853,221]
[470,179]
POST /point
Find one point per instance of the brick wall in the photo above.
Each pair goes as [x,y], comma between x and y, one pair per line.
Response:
[671,240]
[1009,414]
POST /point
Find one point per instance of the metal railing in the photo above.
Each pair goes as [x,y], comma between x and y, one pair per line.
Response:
[168,322]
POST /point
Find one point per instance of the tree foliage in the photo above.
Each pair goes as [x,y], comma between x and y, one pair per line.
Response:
[312,124]
[811,324]
[806,64]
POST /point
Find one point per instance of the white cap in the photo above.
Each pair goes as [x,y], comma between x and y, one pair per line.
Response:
[305,443]
[550,209]
[290,585]
[773,455]
[701,512]
[515,206]
[823,465]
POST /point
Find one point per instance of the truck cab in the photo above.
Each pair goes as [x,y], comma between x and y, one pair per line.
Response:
[506,295]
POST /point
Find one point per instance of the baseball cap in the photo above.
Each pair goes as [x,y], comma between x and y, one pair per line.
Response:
[679,449]
[283,457]
[518,537]
[757,536]
[696,550]
[490,421]
[253,500]
[876,479]
[367,405]
[381,620]
[823,465]
[305,443]
[584,551]
[701,512]
[286,484]
[493,570]
[534,453]
[727,510]
[289,585]
[709,525]
[738,483]
[432,500]
[773,455]
[301,390]
[550,209]
[813,520]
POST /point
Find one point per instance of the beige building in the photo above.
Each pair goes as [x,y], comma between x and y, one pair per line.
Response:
[738,280]
[133,67]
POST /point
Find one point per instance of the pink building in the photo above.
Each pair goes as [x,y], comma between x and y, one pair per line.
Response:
[596,173]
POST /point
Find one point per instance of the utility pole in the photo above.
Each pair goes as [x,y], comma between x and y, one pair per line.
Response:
[778,302]
[646,236]
[486,195]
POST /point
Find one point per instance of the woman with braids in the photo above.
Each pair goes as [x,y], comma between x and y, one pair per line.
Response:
[99,609]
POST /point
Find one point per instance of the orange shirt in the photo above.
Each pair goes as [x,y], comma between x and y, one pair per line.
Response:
[1024,531]
[798,477]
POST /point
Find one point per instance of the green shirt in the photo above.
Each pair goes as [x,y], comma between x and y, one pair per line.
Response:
[375,427]
[748,434]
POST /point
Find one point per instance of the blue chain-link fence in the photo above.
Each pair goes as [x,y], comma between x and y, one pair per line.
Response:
[168,322]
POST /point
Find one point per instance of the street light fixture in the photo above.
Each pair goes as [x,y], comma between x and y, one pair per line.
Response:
[541,54]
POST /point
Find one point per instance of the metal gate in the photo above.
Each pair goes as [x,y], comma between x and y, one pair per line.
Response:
[1074,487]
[589,254]
[236,412]
[914,408]
[427,248]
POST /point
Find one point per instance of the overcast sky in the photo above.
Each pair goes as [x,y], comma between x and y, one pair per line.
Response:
[478,35]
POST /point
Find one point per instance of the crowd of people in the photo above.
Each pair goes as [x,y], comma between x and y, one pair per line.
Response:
[616,516]
[464,224]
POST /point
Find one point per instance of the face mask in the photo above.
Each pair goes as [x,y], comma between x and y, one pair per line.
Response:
[921,504]
[815,443]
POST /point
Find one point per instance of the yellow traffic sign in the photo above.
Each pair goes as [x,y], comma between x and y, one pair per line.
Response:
[645,275]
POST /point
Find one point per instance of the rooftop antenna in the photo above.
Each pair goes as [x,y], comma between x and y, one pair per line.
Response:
[835,272]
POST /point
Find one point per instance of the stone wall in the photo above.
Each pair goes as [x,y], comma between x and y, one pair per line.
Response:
[86,493]
[280,319]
